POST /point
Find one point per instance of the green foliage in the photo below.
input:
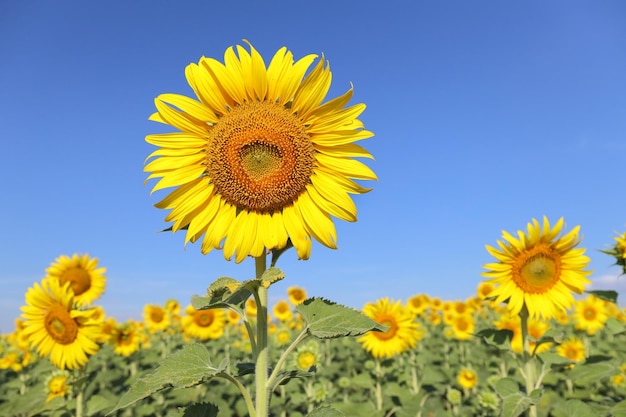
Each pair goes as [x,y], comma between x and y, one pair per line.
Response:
[607,295]
[188,367]
[325,411]
[327,320]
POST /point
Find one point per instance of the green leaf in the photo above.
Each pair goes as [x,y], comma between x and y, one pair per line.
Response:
[500,339]
[188,367]
[615,326]
[326,411]
[577,408]
[507,386]
[554,360]
[271,276]
[619,409]
[327,320]
[514,403]
[201,410]
[285,376]
[607,295]
[97,403]
[586,373]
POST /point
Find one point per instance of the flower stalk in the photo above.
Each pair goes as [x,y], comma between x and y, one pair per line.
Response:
[262,347]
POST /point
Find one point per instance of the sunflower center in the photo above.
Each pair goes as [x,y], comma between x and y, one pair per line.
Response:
[306,360]
[537,270]
[80,280]
[391,332]
[589,314]
[156,315]
[60,325]
[204,318]
[259,157]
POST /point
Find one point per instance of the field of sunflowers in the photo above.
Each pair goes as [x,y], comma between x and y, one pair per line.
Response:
[259,165]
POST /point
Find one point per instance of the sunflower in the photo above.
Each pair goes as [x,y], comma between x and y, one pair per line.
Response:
[463,326]
[467,378]
[258,160]
[418,303]
[306,356]
[296,295]
[572,349]
[282,311]
[204,324]
[590,315]
[538,270]
[82,272]
[64,334]
[156,318]
[126,339]
[57,385]
[536,330]
[401,335]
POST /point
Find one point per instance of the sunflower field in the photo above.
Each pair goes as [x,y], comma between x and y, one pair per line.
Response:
[258,164]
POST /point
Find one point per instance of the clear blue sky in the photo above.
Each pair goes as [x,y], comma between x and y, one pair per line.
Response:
[486,114]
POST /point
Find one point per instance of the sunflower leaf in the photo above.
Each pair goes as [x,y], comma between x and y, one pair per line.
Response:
[271,276]
[325,411]
[500,339]
[606,295]
[201,410]
[328,320]
[187,367]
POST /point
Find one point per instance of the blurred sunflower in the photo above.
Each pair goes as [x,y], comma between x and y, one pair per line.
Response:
[250,307]
[258,159]
[463,326]
[204,324]
[401,335]
[536,330]
[296,295]
[126,339]
[306,356]
[82,272]
[57,385]
[572,349]
[418,304]
[467,378]
[538,270]
[156,318]
[282,311]
[57,330]
[590,315]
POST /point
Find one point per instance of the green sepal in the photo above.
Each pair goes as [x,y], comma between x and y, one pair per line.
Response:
[500,339]
[325,411]
[277,252]
[328,320]
[187,367]
[606,295]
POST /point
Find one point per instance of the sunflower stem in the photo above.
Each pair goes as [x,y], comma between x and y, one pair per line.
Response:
[272,380]
[261,367]
[529,363]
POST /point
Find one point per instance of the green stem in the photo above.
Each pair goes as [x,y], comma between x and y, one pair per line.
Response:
[379,388]
[242,389]
[260,295]
[272,379]
[529,363]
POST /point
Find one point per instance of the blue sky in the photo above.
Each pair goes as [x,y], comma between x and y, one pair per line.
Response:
[486,114]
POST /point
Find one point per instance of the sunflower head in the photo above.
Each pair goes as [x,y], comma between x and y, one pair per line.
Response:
[539,270]
[618,251]
[296,295]
[258,158]
[572,349]
[467,378]
[57,384]
[86,280]
[204,324]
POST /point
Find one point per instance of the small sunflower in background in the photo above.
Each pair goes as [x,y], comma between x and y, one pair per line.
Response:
[156,318]
[296,295]
[401,335]
[57,385]
[258,160]
[204,324]
[418,304]
[590,314]
[282,311]
[463,326]
[618,251]
[67,336]
[539,270]
[126,339]
[572,349]
[306,356]
[467,378]
[86,279]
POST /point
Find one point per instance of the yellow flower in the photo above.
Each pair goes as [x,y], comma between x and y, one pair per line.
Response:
[538,270]
[258,159]
[572,349]
[282,311]
[11,360]
[306,356]
[590,315]
[250,307]
[296,295]
[484,289]
[126,339]
[463,326]
[418,303]
[401,335]
[82,272]
[204,324]
[283,337]
[621,244]
[536,330]
[467,378]
[56,385]
[66,335]
[233,317]
[172,306]
[156,318]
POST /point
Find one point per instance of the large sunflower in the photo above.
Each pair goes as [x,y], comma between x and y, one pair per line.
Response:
[538,270]
[64,334]
[401,335]
[258,160]
[82,272]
